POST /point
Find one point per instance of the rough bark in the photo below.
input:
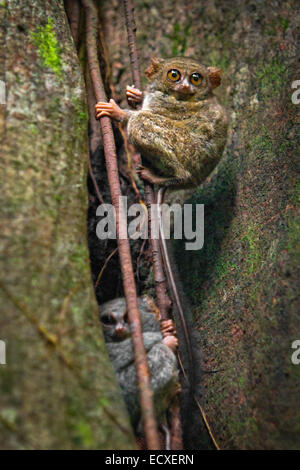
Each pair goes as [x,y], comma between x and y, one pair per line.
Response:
[57,389]
[243,284]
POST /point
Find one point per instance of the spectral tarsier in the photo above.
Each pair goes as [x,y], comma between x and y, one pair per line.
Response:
[160,354]
[181,129]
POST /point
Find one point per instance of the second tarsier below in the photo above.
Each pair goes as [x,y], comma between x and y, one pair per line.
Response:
[160,348]
[181,128]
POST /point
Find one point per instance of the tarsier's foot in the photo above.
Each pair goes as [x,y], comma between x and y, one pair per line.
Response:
[110,109]
[146,175]
[134,95]
[168,331]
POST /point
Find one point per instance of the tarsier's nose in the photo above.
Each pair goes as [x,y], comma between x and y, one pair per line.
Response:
[121,330]
[185,87]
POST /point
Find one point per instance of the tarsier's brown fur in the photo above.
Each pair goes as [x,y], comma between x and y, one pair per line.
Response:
[181,129]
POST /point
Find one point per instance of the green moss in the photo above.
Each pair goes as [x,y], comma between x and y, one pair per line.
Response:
[272,29]
[293,244]
[85,434]
[283,23]
[270,77]
[53,108]
[45,40]
[78,258]
[251,424]
[81,114]
[254,256]
[178,38]
[217,59]
[242,381]
[295,195]
[293,227]
[224,265]
[262,142]
[9,415]
[79,429]
[33,129]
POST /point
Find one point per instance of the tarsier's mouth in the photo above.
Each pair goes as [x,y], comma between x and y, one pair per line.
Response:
[121,333]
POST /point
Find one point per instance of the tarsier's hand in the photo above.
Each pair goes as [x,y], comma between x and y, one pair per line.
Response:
[110,109]
[134,95]
[169,334]
[171,342]
[168,328]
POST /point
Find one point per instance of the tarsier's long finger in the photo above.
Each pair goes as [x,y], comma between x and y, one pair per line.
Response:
[133,88]
[131,96]
[101,103]
[167,323]
[135,93]
[103,113]
[103,106]
[134,98]
[168,327]
[169,330]
[107,110]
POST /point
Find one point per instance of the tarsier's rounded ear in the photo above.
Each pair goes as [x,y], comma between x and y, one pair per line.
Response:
[214,76]
[154,67]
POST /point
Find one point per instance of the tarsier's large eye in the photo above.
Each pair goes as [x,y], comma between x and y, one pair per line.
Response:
[196,78]
[174,75]
[108,319]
